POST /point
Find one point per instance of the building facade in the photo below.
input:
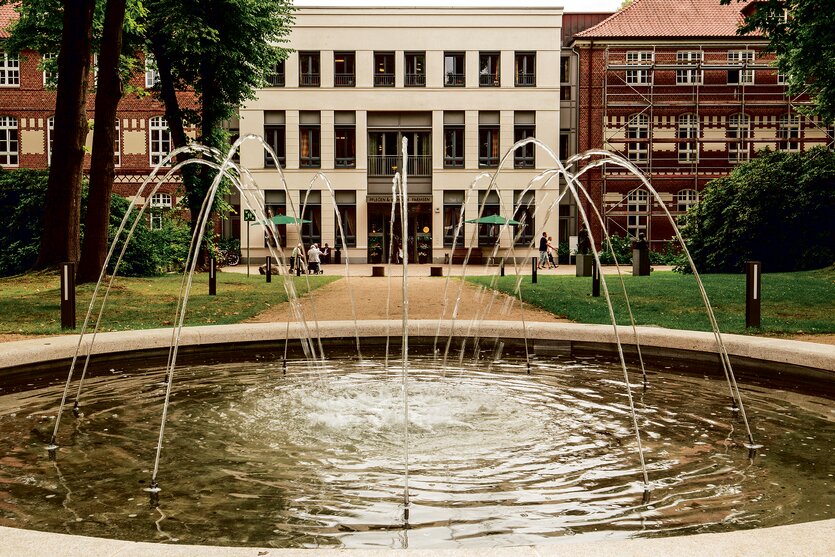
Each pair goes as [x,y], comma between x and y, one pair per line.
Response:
[672,87]
[461,85]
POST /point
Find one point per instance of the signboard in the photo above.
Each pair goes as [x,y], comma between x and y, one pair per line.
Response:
[388,199]
[249,216]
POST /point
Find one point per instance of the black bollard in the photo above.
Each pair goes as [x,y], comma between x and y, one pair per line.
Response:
[534,261]
[595,279]
[269,268]
[753,272]
[501,266]
[68,295]
[212,277]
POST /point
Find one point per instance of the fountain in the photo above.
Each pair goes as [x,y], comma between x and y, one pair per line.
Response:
[536,434]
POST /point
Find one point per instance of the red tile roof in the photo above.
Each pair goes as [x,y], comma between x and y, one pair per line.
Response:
[7,16]
[669,19]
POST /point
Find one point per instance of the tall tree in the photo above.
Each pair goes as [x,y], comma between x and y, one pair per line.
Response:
[222,50]
[802,35]
[60,236]
[102,165]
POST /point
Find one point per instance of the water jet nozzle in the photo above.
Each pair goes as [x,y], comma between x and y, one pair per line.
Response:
[75,410]
[645,498]
[153,494]
[52,448]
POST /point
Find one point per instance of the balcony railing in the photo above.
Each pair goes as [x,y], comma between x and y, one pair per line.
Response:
[344,80]
[524,161]
[454,161]
[310,162]
[383,80]
[388,165]
[454,80]
[345,162]
[275,80]
[525,79]
[488,162]
[489,80]
[415,80]
[309,80]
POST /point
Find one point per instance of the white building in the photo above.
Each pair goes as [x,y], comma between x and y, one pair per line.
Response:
[462,84]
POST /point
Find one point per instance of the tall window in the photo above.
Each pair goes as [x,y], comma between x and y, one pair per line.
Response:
[565,149]
[151,73]
[488,234]
[8,141]
[488,69]
[275,203]
[453,139]
[345,140]
[565,78]
[49,65]
[310,203]
[344,69]
[117,148]
[50,133]
[637,209]
[686,199]
[523,128]
[524,209]
[741,57]
[525,70]
[454,75]
[488,139]
[641,75]
[688,135]
[692,73]
[346,205]
[275,137]
[453,202]
[789,132]
[310,153]
[739,132]
[309,75]
[159,139]
[160,203]
[383,69]
[637,138]
[276,76]
[9,70]
[415,68]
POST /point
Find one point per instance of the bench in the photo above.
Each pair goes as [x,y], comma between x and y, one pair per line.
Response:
[459,254]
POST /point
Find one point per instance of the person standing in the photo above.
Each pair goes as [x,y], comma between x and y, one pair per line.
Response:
[552,249]
[543,251]
[313,260]
[295,258]
[326,254]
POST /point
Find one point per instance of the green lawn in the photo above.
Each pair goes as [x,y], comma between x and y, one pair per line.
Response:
[30,304]
[792,303]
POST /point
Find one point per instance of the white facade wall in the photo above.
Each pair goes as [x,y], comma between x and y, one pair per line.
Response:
[433,31]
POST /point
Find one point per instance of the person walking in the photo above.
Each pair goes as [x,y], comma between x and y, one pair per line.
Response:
[295,258]
[552,263]
[543,251]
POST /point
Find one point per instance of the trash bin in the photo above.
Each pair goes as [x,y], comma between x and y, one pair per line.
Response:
[337,256]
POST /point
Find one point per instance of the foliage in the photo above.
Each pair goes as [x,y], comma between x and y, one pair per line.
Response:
[778,209]
[622,247]
[792,303]
[30,303]
[22,194]
[802,35]
[149,252]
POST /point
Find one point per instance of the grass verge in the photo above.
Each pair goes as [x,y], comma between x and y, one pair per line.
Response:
[30,304]
[792,303]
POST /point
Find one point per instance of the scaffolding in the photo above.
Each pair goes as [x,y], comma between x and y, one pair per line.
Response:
[721,84]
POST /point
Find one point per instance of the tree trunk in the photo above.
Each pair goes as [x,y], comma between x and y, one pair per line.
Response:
[62,212]
[102,165]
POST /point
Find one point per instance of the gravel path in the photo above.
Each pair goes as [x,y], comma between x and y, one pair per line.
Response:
[426,301]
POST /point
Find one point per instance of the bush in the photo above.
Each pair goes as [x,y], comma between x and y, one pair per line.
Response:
[22,195]
[779,209]
[622,247]
[150,252]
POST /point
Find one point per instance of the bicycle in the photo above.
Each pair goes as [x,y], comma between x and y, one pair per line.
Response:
[225,257]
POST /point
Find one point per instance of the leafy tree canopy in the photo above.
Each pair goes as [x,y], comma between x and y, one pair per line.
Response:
[802,35]
[778,209]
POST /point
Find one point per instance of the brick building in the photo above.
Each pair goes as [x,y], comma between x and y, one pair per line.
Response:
[671,86]
[27,106]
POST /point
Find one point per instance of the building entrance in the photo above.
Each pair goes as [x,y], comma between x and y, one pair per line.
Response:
[385,239]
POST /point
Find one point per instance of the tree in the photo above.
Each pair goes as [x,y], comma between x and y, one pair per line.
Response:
[778,209]
[62,208]
[802,35]
[202,45]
